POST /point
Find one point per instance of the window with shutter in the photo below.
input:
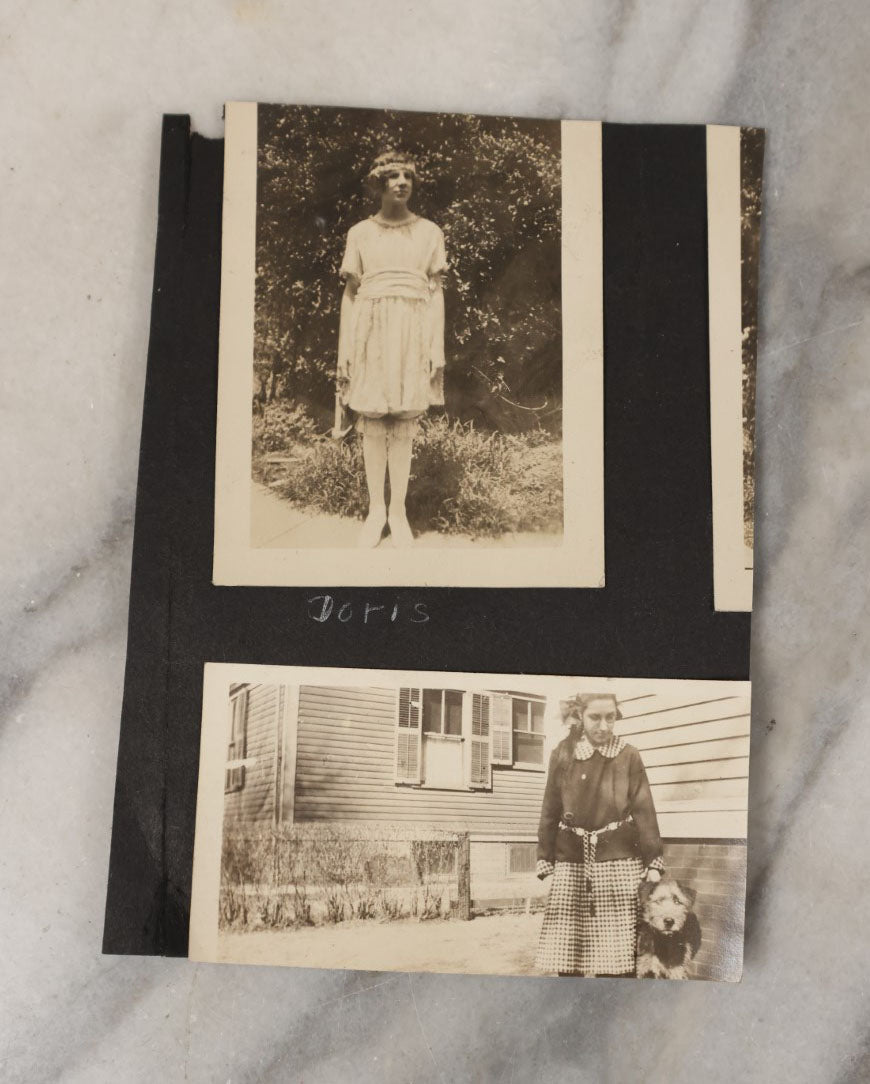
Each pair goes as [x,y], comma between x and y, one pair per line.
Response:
[527,721]
[234,777]
[480,774]
[502,729]
[442,712]
[408,757]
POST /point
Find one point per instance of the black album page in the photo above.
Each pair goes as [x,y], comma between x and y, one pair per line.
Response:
[442,433]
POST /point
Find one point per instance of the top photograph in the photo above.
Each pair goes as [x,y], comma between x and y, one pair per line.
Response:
[411,350]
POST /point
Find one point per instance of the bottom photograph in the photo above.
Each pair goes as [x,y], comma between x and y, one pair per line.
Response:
[472,823]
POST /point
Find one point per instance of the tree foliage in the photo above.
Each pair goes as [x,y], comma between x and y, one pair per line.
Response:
[491,184]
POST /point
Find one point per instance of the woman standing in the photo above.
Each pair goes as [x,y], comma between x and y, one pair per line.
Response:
[599,838]
[391,337]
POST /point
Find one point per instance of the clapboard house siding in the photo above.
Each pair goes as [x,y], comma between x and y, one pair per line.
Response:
[696,755]
[254,801]
[342,766]
[345,771]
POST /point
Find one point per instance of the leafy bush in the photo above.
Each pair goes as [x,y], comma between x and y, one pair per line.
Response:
[290,877]
[463,481]
[254,891]
[432,905]
[469,482]
[280,427]
[433,858]
[334,906]
[390,907]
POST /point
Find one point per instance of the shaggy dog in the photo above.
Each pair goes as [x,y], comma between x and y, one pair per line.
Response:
[668,933]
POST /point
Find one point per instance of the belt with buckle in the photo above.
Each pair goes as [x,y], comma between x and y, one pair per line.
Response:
[598,831]
[590,844]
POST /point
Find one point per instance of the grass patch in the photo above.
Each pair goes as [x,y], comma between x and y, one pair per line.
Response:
[463,480]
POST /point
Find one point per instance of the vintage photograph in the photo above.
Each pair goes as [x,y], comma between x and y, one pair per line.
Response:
[751,163]
[411,303]
[734,189]
[474,823]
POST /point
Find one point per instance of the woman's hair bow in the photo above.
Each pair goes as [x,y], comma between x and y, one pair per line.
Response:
[574,706]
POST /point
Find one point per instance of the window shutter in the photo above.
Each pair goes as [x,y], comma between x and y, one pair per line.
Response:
[479,773]
[408,738]
[502,729]
[235,777]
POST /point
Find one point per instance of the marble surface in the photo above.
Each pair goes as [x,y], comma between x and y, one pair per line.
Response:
[85,85]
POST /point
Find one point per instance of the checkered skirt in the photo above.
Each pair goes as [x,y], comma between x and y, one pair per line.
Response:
[583,940]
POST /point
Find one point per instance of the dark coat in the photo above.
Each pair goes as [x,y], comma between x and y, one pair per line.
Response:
[591,793]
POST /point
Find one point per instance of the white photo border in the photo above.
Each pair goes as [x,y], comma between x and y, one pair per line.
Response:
[732,560]
[578,561]
[218,677]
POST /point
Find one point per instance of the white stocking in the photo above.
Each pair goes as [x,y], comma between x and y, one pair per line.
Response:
[375,459]
[399,457]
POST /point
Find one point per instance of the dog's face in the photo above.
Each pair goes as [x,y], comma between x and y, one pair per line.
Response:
[664,905]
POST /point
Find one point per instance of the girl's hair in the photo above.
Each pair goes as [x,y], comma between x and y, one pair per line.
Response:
[573,709]
[385,162]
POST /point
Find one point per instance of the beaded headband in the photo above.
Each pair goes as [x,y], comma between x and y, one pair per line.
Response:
[381,169]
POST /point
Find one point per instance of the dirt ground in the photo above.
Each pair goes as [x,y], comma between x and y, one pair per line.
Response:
[490,944]
[278,524]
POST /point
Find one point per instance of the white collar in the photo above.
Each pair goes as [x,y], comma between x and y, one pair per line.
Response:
[387,224]
[583,748]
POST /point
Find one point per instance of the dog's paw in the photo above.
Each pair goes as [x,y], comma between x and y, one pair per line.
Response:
[649,967]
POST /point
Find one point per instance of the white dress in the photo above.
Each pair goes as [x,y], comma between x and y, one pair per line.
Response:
[392,352]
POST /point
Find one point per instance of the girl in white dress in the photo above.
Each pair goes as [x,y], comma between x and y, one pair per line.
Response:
[391,338]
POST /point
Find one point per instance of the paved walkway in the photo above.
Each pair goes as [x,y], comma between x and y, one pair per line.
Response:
[488,945]
[278,524]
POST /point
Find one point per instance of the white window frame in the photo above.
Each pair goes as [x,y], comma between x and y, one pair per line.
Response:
[436,737]
[441,733]
[527,765]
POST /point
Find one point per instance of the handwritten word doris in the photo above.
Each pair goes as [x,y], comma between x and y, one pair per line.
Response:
[323,608]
